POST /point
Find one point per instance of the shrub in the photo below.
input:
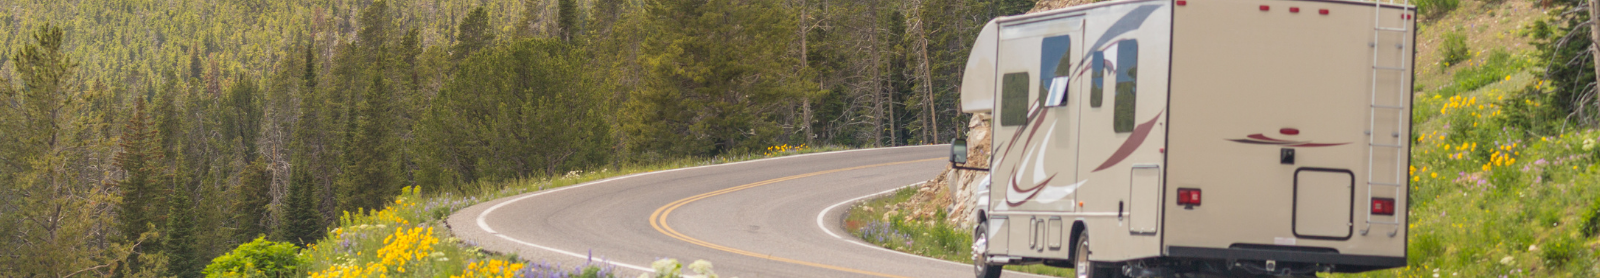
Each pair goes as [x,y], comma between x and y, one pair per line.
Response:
[1455,48]
[1591,219]
[1436,7]
[258,258]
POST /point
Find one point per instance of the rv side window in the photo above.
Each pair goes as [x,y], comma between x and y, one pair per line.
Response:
[1055,62]
[1127,68]
[1097,67]
[1014,99]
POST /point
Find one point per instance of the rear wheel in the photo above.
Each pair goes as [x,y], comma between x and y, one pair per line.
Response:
[1081,264]
[980,249]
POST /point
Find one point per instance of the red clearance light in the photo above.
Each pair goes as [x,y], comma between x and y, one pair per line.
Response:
[1289,131]
[1322,11]
[1405,16]
[1264,8]
[1189,197]
[1182,3]
[1383,206]
[1294,9]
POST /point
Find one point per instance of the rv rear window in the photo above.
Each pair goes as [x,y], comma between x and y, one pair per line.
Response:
[1127,68]
[1014,99]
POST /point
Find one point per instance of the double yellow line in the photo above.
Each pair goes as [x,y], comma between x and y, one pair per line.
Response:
[658,219]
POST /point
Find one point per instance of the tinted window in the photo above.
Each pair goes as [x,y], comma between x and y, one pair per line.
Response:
[1014,99]
[1127,68]
[1097,69]
[1055,65]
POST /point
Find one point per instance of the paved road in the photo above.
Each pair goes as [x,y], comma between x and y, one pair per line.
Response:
[774,217]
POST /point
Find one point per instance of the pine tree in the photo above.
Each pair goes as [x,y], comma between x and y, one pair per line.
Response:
[473,35]
[716,77]
[140,159]
[567,19]
[368,181]
[250,204]
[180,244]
[301,223]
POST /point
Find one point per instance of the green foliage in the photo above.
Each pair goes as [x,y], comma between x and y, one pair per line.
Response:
[1454,49]
[715,73]
[473,35]
[567,18]
[1436,8]
[257,258]
[300,223]
[517,110]
[250,205]
[1563,46]
[141,198]
[184,260]
[1591,219]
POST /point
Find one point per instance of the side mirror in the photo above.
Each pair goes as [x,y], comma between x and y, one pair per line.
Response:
[958,151]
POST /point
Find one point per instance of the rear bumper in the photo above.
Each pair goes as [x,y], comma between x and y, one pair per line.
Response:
[1341,262]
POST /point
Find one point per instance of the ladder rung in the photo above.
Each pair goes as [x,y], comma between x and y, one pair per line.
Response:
[1385,183]
[1369,222]
[1388,106]
[1389,68]
[1390,29]
[1385,145]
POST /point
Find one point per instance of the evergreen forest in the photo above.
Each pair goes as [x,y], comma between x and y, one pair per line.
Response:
[143,138]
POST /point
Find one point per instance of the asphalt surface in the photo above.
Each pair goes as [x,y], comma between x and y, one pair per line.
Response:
[777,217]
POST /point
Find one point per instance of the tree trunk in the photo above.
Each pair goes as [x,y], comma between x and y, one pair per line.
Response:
[1594,36]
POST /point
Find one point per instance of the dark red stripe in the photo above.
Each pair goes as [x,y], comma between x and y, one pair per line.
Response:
[1133,142]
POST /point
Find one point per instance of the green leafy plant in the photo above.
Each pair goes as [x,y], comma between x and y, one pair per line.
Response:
[258,258]
[1454,49]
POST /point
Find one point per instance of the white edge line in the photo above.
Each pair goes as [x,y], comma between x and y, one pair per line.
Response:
[875,247]
[857,242]
[482,224]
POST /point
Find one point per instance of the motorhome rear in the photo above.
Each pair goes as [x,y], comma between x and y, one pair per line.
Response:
[1145,138]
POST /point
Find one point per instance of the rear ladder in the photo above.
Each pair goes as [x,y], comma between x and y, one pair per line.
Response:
[1397,106]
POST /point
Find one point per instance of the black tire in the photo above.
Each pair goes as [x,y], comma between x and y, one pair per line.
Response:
[980,247]
[1080,257]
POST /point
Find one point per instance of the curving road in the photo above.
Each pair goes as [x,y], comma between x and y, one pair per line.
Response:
[776,217]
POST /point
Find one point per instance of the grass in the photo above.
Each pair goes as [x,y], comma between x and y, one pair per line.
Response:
[1492,194]
[885,221]
[409,238]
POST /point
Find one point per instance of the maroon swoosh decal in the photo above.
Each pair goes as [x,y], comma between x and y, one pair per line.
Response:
[1035,190]
[1247,141]
[1039,113]
[1312,145]
[1258,136]
[1133,142]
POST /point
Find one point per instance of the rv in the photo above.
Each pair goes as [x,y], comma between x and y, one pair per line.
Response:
[1214,137]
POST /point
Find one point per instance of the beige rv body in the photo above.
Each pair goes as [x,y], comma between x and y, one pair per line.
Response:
[1208,95]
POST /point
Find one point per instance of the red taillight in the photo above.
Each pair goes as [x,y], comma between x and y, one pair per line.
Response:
[1264,8]
[1181,2]
[1294,9]
[1322,11]
[1383,206]
[1188,196]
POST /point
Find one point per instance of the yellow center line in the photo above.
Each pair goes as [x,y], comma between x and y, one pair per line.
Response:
[658,219]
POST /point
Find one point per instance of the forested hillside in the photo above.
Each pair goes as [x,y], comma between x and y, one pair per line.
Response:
[147,137]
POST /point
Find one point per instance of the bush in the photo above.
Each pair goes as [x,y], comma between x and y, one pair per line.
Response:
[1455,48]
[258,258]
[1591,219]
[1436,7]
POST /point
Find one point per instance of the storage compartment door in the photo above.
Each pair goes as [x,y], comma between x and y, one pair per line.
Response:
[1144,195]
[1322,203]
